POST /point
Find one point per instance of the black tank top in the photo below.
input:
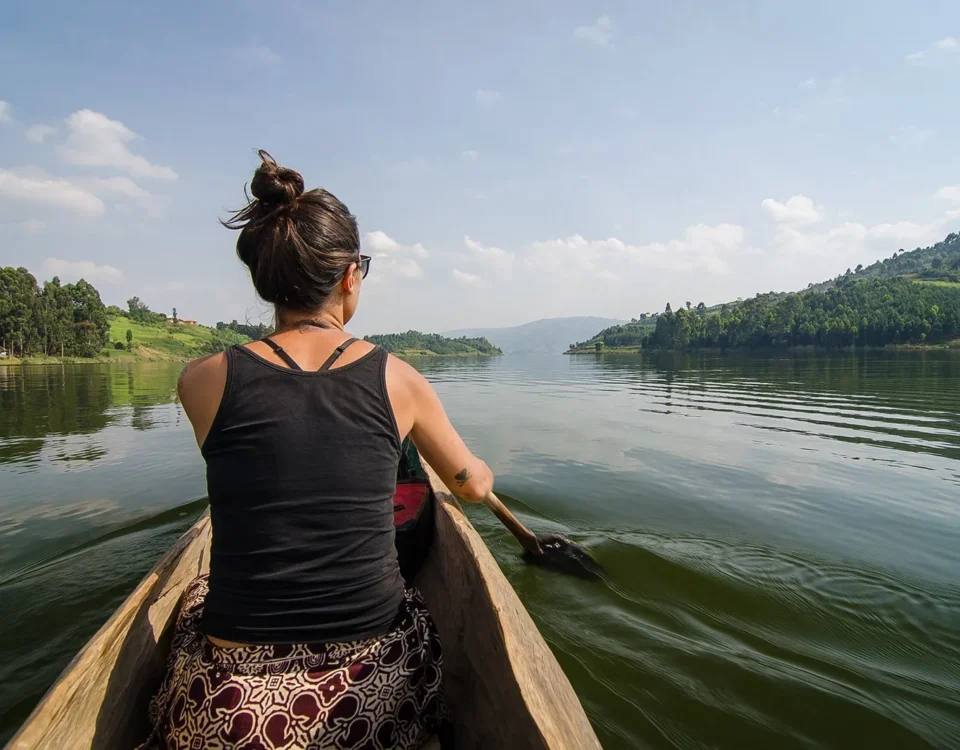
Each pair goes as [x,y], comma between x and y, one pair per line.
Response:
[301,472]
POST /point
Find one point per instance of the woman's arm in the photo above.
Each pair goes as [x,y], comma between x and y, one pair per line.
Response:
[436,438]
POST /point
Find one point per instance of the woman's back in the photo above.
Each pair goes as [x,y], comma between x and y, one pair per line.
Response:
[304,634]
[301,469]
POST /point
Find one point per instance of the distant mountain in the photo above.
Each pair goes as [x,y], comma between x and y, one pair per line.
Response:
[547,336]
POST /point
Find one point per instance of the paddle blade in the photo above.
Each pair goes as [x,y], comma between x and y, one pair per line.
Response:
[564,556]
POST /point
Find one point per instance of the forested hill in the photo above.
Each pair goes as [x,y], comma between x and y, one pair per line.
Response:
[432,344]
[71,321]
[940,262]
[910,298]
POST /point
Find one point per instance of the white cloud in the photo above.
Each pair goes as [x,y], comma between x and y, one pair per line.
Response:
[95,140]
[127,188]
[392,259]
[469,155]
[487,97]
[810,83]
[34,226]
[949,193]
[467,279]
[39,133]
[909,231]
[50,191]
[599,33]
[853,239]
[702,247]
[5,112]
[839,242]
[798,209]
[381,242]
[69,270]
[388,266]
[500,259]
[934,53]
[911,136]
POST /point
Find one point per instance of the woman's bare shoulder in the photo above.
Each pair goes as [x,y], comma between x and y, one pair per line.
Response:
[202,372]
[403,374]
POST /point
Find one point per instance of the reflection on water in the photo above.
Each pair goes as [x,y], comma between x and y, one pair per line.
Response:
[782,535]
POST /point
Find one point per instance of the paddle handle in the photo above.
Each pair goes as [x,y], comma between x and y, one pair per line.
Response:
[526,537]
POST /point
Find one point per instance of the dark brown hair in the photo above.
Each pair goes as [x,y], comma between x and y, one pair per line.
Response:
[297,245]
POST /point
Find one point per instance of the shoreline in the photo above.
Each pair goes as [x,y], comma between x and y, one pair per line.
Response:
[806,349]
[432,355]
[126,358]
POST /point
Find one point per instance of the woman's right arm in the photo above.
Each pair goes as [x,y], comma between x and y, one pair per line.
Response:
[437,440]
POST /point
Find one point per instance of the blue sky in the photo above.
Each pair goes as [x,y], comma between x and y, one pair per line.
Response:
[506,160]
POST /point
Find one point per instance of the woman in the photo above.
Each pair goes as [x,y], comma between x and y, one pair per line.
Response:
[304,635]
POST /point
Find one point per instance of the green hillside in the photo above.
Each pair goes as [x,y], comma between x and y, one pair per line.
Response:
[911,298]
[167,341]
[939,262]
[414,343]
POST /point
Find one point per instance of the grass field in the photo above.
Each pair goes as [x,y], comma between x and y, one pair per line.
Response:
[937,282]
[165,341]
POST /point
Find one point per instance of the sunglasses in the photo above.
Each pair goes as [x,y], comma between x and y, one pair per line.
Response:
[364,266]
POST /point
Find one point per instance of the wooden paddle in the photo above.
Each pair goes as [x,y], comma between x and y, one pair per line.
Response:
[552,551]
[526,537]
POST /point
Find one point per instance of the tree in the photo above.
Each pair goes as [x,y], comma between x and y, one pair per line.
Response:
[129,339]
[859,268]
[143,314]
[937,262]
[667,309]
[58,312]
[18,302]
[175,316]
[89,308]
[701,308]
[431,342]
[136,307]
[598,347]
[688,304]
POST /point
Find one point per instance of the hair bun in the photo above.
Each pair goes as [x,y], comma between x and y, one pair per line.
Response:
[272,183]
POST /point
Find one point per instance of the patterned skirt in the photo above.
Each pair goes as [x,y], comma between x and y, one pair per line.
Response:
[376,693]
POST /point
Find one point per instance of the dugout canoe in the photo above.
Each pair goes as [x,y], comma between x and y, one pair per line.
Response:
[503,684]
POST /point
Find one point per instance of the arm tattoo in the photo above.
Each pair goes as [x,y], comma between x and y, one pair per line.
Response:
[462,476]
[180,379]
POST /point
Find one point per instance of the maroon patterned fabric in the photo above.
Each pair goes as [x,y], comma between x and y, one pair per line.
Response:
[373,694]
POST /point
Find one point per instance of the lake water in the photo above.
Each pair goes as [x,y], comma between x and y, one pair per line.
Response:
[782,535]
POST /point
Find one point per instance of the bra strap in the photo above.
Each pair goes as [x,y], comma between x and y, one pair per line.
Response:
[336,354]
[282,354]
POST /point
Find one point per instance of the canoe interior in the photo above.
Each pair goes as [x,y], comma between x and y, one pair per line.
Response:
[504,686]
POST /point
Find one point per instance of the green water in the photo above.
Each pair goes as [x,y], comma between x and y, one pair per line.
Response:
[782,535]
